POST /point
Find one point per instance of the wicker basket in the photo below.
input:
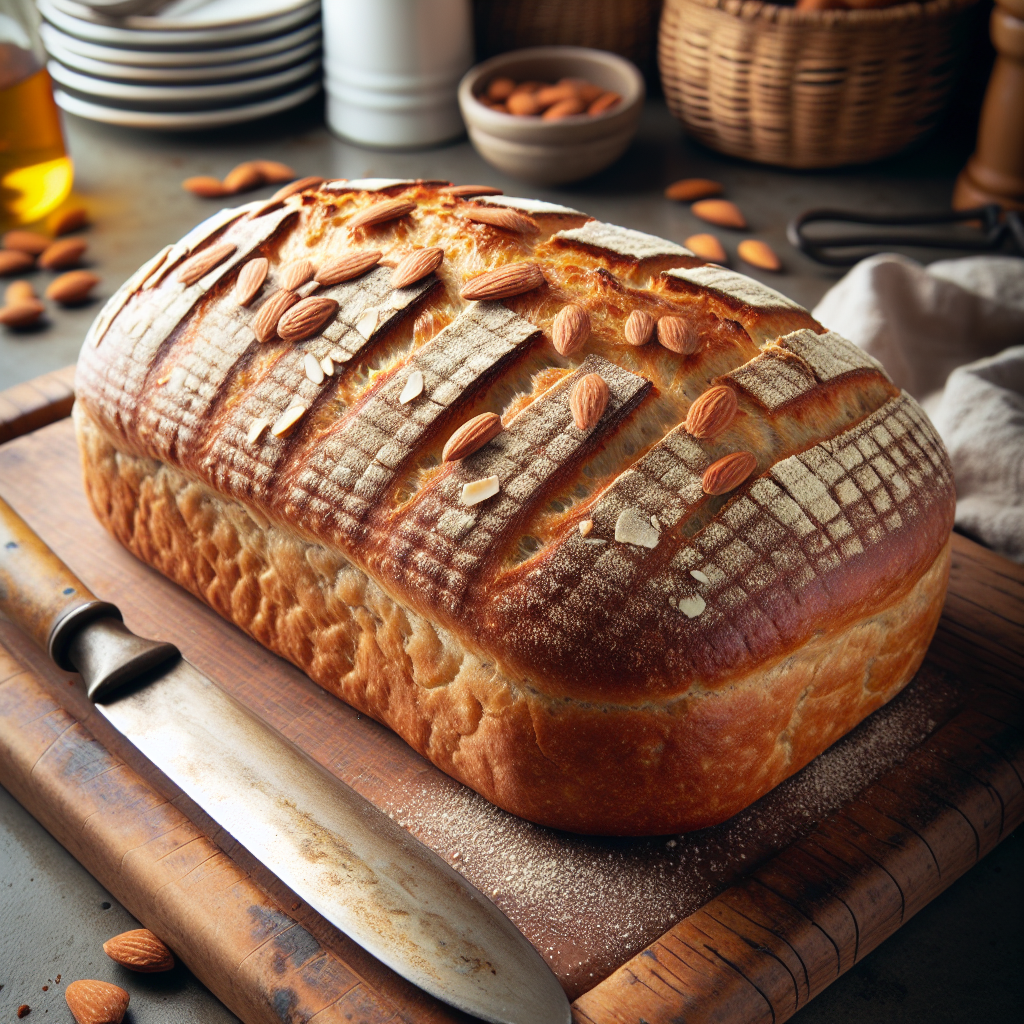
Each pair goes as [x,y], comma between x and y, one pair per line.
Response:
[810,88]
[626,27]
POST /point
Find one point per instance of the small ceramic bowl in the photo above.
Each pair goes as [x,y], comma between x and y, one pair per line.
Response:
[553,152]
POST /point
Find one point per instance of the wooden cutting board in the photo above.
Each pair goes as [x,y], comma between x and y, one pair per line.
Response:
[742,922]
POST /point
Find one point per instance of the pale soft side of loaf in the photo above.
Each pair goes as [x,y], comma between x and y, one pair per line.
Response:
[654,683]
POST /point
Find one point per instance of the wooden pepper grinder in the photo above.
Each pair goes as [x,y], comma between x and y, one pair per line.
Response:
[995,173]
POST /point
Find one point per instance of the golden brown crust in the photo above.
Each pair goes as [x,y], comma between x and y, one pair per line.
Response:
[664,618]
[657,767]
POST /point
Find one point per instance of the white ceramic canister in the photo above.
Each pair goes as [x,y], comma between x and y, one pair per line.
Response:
[392,69]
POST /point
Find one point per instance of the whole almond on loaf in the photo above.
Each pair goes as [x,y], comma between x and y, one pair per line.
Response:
[712,412]
[250,280]
[499,217]
[312,473]
[677,335]
[728,472]
[571,329]
[347,267]
[588,401]
[416,266]
[264,324]
[139,950]
[513,279]
[306,318]
[96,1002]
[472,436]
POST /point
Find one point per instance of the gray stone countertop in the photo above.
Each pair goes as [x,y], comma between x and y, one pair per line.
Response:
[131,183]
[957,961]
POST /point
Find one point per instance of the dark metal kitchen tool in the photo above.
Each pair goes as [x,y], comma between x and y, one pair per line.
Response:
[998,230]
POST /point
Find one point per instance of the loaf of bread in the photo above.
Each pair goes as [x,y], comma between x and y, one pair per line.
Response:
[617,538]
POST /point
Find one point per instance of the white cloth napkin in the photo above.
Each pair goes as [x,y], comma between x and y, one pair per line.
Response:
[952,334]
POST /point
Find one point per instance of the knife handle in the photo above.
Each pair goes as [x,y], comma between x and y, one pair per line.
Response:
[40,593]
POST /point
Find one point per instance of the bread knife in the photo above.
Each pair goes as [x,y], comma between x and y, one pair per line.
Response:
[333,848]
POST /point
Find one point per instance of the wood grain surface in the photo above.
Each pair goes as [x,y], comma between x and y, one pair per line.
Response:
[768,909]
[34,404]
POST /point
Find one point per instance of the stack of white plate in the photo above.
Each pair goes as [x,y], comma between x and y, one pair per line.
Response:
[193,64]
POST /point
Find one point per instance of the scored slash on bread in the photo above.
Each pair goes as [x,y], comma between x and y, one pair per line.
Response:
[570,565]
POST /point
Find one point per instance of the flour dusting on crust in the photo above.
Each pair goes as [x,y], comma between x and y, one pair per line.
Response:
[623,241]
[736,286]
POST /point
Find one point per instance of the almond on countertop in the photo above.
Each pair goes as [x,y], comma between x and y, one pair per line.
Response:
[70,219]
[19,291]
[22,313]
[758,254]
[640,328]
[472,436]
[689,190]
[205,186]
[678,335]
[571,329]
[72,288]
[274,172]
[728,472]
[719,211]
[26,241]
[503,283]
[708,248]
[62,254]
[139,950]
[712,412]
[14,261]
[96,1002]
[588,400]
[416,266]
[243,178]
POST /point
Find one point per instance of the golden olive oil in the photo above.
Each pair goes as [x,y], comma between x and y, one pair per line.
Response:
[35,171]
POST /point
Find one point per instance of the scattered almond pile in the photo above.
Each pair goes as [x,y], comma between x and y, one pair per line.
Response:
[565,98]
[24,252]
[244,178]
[704,195]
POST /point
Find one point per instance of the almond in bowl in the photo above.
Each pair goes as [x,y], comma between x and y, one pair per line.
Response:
[552,114]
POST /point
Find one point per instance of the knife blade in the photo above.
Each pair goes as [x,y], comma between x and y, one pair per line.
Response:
[337,851]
